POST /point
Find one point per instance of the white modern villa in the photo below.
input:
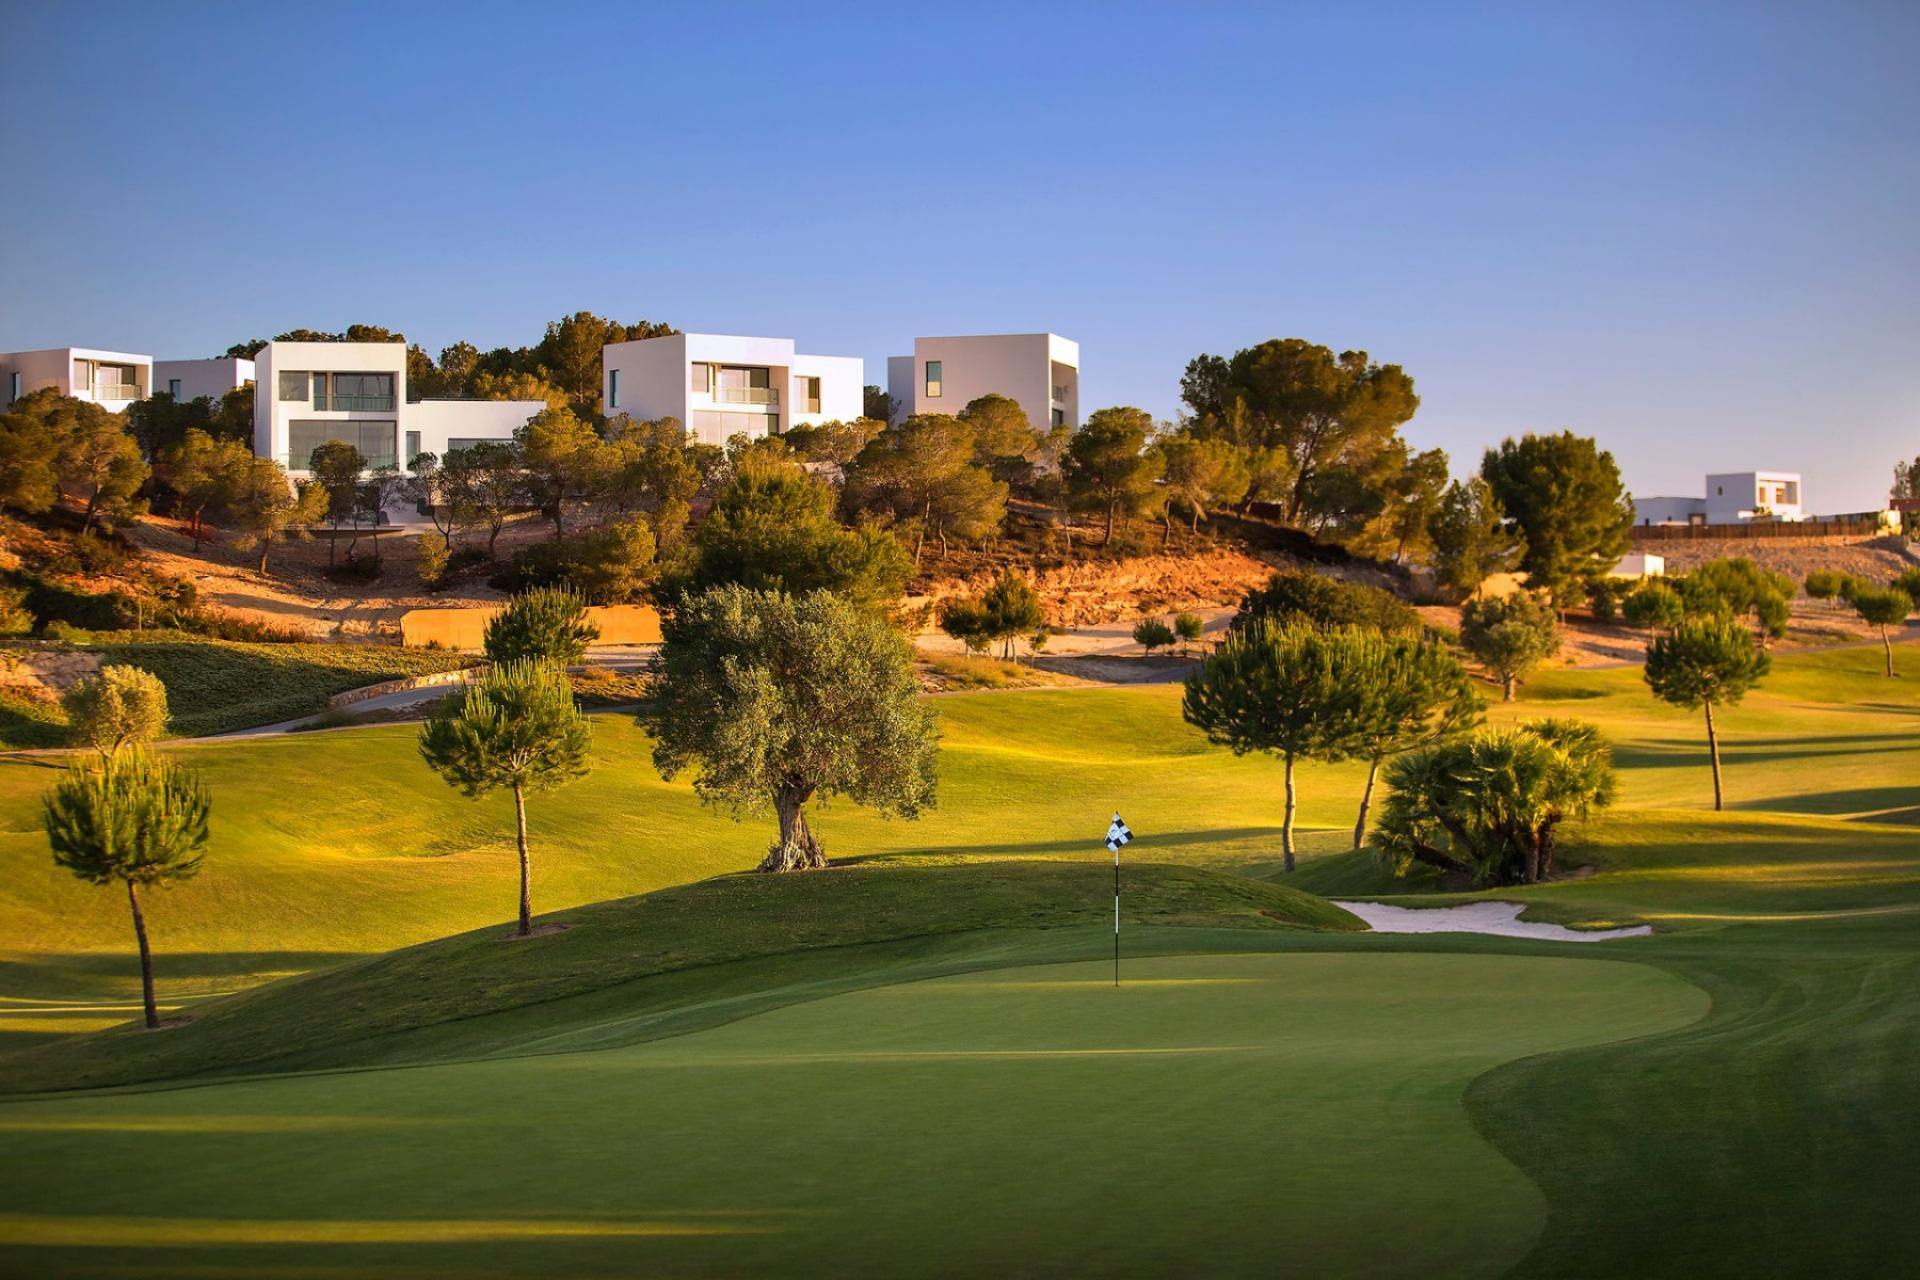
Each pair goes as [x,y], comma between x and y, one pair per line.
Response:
[186,380]
[308,393]
[111,379]
[1731,498]
[1039,370]
[723,385]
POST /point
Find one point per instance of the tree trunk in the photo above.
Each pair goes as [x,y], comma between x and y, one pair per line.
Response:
[1507,683]
[493,536]
[1366,803]
[265,543]
[1713,750]
[1286,824]
[146,956]
[1196,519]
[526,890]
[1166,533]
[1543,840]
[797,849]
[1109,538]
[1435,857]
[1886,641]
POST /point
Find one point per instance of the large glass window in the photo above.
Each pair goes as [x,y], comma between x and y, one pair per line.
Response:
[933,379]
[613,388]
[413,448]
[13,388]
[810,393]
[173,387]
[468,442]
[357,393]
[698,378]
[374,440]
[744,384]
[293,384]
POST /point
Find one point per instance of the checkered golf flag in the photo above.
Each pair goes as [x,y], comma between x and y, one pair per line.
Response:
[1118,835]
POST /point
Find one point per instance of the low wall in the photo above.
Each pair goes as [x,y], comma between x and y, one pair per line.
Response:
[433,680]
[466,628]
[1812,532]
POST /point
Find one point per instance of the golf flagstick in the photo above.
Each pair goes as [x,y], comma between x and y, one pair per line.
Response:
[1117,835]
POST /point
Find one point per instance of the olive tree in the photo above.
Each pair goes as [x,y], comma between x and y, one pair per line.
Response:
[518,729]
[1491,804]
[1707,663]
[1510,636]
[121,706]
[136,819]
[775,700]
[1283,690]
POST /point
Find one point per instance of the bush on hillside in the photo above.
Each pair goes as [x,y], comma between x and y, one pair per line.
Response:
[1298,595]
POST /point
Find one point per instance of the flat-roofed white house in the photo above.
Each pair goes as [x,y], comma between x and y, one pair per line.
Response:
[186,380]
[723,385]
[112,379]
[1039,370]
[1734,497]
[308,393]
[1749,495]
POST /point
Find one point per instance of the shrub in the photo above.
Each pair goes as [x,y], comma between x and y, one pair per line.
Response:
[1825,584]
[1189,627]
[1300,595]
[1510,636]
[609,565]
[1653,604]
[120,707]
[547,624]
[1151,634]
[432,566]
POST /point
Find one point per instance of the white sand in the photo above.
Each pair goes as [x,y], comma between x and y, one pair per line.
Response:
[1501,918]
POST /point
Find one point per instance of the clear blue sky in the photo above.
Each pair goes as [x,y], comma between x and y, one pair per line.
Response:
[1690,230]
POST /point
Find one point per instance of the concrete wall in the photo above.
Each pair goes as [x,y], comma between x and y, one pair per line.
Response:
[1737,495]
[1025,367]
[654,381]
[209,378]
[466,628]
[54,367]
[441,421]
[1653,511]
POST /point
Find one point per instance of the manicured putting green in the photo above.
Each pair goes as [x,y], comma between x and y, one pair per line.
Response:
[1219,1114]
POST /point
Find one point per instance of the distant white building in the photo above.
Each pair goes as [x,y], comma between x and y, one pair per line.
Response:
[1041,371]
[723,385]
[311,392]
[186,380]
[111,379]
[1731,498]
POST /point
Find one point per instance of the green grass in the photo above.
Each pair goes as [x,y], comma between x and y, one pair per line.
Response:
[1641,1129]
[1218,1115]
[329,1018]
[217,686]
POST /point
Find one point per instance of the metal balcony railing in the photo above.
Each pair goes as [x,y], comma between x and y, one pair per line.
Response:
[116,391]
[746,395]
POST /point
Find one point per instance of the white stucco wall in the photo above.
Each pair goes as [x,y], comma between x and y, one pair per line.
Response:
[1025,367]
[209,378]
[1659,510]
[654,381]
[53,367]
[441,421]
[271,414]
[1735,496]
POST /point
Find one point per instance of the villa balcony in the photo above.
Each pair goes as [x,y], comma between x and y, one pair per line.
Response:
[746,395]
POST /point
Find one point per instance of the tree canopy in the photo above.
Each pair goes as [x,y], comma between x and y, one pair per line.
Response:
[1564,494]
[1510,635]
[1107,466]
[772,700]
[1706,663]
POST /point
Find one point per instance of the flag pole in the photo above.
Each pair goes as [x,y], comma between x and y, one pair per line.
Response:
[1116,915]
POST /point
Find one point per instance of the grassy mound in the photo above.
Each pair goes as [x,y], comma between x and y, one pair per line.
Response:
[323,1017]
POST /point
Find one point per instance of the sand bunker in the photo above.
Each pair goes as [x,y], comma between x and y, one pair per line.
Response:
[1502,918]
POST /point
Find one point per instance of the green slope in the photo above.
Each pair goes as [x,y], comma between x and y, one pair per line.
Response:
[1217,1115]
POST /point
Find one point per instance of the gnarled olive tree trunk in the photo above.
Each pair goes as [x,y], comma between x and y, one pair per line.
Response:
[797,850]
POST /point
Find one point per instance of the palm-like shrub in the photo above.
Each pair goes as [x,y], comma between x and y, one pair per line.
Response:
[1492,804]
